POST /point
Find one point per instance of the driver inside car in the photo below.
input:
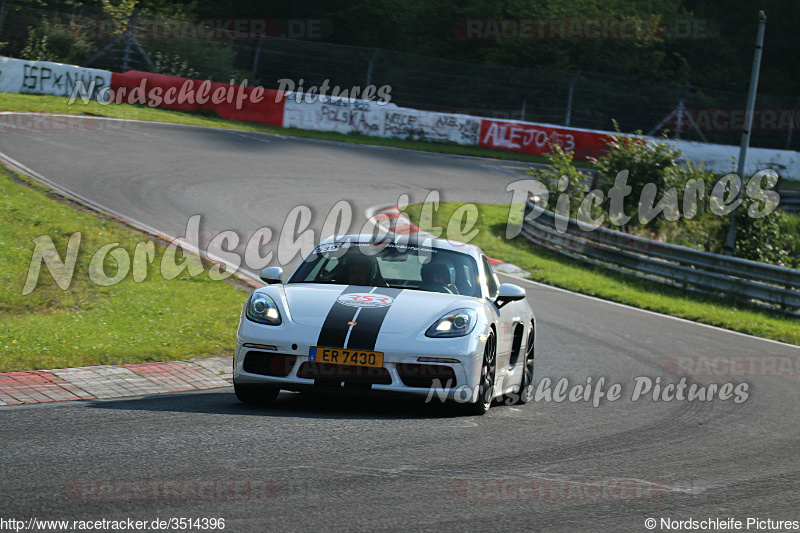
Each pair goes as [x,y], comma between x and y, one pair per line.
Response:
[360,269]
[436,278]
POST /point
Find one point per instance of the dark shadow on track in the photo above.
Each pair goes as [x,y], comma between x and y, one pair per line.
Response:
[288,405]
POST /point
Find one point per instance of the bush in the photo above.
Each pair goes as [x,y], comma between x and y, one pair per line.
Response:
[647,162]
[53,41]
[768,239]
[561,166]
[762,239]
[173,65]
[790,227]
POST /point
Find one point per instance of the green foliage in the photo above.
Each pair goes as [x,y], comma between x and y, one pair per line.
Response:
[59,36]
[653,162]
[647,161]
[562,166]
[199,59]
[120,10]
[790,227]
[770,239]
[763,239]
[173,65]
[211,60]
[717,57]
[37,49]
[53,41]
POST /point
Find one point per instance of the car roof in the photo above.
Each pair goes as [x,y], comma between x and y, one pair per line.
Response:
[411,240]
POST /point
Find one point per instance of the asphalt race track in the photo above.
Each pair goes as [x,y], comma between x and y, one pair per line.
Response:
[356,464]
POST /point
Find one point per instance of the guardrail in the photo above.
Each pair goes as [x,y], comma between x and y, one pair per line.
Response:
[790,200]
[767,286]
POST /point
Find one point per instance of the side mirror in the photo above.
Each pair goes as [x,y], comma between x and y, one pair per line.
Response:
[272,275]
[509,293]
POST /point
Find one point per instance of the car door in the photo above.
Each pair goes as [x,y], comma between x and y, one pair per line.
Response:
[508,314]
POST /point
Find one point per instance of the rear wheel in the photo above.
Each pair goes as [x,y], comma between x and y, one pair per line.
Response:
[254,394]
[486,383]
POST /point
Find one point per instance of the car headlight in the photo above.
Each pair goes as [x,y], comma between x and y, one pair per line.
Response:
[262,309]
[454,324]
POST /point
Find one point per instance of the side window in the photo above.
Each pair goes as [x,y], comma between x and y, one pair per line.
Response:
[491,280]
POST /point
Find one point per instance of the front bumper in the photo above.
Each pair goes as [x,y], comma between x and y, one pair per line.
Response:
[279,356]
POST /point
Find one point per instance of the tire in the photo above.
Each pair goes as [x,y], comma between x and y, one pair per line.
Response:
[526,389]
[486,384]
[254,394]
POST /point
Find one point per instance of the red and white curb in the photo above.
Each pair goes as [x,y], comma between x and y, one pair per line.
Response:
[114,381]
[393,220]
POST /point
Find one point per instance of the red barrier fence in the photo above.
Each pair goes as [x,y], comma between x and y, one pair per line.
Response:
[232,102]
[534,138]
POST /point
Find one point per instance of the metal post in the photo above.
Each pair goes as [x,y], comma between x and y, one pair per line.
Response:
[730,240]
[569,98]
[126,50]
[2,14]
[523,110]
[144,54]
[126,55]
[679,125]
[255,60]
[792,125]
[103,50]
[369,68]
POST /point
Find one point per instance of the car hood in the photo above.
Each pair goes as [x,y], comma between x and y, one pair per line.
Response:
[405,310]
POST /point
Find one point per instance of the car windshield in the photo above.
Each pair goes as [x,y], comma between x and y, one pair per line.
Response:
[391,265]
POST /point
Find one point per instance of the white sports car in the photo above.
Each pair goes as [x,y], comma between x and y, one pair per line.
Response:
[408,315]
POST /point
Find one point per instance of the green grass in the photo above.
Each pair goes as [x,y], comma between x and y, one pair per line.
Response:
[554,269]
[129,322]
[58,104]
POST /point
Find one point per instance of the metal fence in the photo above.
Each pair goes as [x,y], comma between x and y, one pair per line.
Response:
[790,200]
[562,97]
[767,286]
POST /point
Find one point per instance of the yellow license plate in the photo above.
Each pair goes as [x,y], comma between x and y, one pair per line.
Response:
[344,356]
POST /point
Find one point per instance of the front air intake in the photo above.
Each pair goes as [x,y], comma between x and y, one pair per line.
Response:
[415,375]
[269,364]
[326,373]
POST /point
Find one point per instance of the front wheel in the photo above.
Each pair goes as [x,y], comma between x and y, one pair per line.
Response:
[254,394]
[486,384]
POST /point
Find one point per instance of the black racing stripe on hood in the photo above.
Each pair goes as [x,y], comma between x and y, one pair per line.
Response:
[334,329]
[369,322]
